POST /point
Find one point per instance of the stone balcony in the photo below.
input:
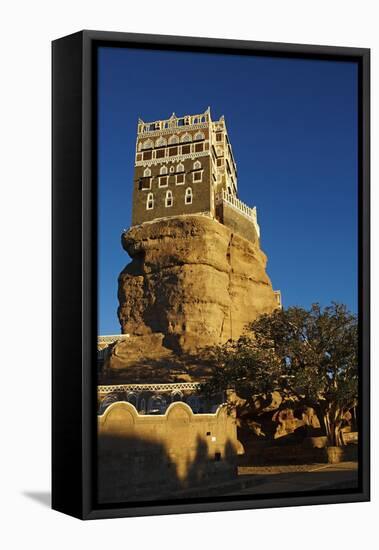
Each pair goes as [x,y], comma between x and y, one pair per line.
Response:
[240,207]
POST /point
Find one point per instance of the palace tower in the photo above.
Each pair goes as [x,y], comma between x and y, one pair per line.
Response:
[185,165]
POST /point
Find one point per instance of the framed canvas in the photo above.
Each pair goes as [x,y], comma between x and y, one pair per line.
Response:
[210,275]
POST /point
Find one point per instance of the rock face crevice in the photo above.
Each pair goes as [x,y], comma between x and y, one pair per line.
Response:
[193,281]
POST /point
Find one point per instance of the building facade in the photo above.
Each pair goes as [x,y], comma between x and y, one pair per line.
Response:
[185,165]
[153,398]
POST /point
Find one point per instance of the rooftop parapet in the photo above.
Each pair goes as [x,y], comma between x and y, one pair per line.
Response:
[241,207]
[174,122]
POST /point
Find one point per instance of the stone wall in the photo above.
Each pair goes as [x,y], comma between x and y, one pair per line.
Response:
[150,457]
[238,223]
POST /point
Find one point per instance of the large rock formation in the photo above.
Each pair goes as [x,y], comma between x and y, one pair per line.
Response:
[193,282]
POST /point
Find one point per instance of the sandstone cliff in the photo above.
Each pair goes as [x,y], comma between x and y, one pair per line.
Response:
[192,283]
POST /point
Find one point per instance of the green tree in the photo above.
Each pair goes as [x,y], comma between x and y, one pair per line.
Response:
[307,355]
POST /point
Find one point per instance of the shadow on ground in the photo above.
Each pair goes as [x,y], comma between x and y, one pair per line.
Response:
[324,477]
[42,497]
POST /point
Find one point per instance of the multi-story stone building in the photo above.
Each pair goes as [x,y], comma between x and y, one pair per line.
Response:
[185,165]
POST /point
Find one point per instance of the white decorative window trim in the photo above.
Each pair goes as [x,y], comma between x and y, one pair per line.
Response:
[197,165]
[150,201]
[173,140]
[143,186]
[147,173]
[180,167]
[188,197]
[176,158]
[163,171]
[161,142]
[148,144]
[199,136]
[169,199]
[162,182]
[196,174]
[186,138]
[181,176]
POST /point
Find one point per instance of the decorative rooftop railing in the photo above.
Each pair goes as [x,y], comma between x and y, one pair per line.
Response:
[111,338]
[183,386]
[174,122]
[242,208]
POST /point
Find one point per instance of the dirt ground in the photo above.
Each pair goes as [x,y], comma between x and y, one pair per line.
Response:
[295,478]
[290,468]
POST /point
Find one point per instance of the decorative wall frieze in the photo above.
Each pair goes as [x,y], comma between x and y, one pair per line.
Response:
[177,158]
[172,130]
[116,388]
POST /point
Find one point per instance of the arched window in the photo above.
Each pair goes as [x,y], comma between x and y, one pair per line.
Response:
[150,201]
[188,196]
[199,136]
[163,179]
[180,176]
[186,138]
[169,200]
[142,406]
[132,398]
[147,173]
[173,139]
[161,142]
[176,395]
[148,144]
[157,404]
[197,165]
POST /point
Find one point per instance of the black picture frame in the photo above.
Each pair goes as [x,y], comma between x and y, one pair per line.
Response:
[74,271]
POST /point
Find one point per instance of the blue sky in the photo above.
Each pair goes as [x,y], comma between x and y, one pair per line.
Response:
[293,128]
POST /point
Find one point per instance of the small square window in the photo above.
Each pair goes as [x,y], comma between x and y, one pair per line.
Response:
[197,176]
[163,181]
[179,179]
[144,183]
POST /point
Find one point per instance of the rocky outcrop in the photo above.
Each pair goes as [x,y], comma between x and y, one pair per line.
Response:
[192,281]
[145,360]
